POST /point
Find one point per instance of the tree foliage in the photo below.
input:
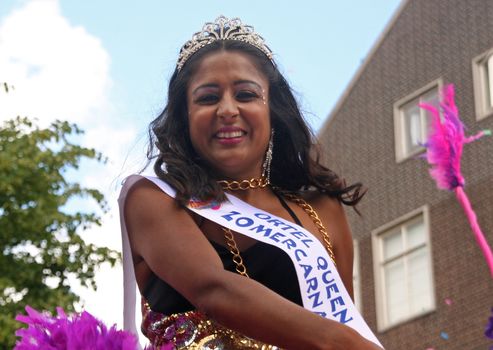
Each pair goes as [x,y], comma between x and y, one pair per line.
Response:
[42,250]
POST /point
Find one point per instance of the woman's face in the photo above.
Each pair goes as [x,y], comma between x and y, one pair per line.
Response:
[228,114]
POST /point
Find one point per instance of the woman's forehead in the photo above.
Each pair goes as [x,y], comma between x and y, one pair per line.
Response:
[226,65]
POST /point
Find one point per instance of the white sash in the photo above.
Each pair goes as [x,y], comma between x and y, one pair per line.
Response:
[320,285]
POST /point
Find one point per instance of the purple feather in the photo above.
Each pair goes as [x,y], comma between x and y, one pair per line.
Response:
[80,331]
[445,142]
[489,328]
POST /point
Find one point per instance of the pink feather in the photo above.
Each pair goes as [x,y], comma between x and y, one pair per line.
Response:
[81,331]
[444,150]
[445,142]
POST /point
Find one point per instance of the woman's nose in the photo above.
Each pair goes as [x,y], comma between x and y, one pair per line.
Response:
[227,107]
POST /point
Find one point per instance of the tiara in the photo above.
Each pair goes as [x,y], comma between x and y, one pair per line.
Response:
[222,29]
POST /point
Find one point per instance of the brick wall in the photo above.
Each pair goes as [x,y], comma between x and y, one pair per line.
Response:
[429,40]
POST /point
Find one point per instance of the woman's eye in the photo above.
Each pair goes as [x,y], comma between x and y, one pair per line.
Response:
[207,99]
[246,95]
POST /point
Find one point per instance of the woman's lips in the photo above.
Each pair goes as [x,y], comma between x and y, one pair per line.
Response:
[229,137]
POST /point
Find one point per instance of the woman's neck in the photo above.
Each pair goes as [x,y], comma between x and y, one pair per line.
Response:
[249,190]
[253,196]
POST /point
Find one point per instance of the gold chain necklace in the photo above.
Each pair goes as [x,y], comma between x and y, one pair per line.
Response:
[235,252]
[316,220]
[233,249]
[243,185]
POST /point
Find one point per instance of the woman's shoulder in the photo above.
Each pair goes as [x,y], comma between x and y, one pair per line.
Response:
[148,200]
[331,211]
[322,202]
[145,196]
[145,183]
[143,186]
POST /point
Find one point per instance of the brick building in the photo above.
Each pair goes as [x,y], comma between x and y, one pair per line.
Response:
[422,282]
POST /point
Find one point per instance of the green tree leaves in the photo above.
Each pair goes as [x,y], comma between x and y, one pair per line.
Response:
[39,234]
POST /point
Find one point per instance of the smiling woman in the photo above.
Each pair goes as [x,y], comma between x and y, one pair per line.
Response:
[228,114]
[218,271]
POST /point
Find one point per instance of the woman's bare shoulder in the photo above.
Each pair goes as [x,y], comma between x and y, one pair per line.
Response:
[145,193]
[145,208]
[332,213]
[145,202]
[323,202]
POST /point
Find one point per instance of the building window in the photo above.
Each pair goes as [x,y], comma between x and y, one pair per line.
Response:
[411,123]
[357,278]
[482,68]
[403,270]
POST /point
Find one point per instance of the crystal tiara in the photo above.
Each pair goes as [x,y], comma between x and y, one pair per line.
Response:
[222,29]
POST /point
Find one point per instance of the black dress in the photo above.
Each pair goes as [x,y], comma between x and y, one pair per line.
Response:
[265,264]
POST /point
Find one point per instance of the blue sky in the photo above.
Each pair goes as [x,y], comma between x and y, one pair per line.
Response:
[105,65]
[318,44]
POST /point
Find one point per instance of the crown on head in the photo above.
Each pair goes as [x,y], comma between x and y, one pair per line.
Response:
[222,29]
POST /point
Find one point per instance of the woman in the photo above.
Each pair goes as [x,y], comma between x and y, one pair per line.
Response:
[232,126]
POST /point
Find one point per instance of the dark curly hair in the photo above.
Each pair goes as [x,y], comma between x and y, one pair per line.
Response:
[296,159]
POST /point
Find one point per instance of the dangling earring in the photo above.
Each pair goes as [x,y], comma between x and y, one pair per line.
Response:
[268,158]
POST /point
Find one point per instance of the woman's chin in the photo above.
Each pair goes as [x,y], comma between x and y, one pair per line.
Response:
[237,171]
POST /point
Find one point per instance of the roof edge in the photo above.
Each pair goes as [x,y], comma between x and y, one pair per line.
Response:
[362,67]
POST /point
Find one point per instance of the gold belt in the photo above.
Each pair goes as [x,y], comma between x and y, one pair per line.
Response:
[193,330]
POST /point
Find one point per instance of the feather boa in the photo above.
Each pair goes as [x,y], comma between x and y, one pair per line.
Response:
[81,331]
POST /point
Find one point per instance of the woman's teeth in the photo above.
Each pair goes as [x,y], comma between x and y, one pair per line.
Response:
[229,134]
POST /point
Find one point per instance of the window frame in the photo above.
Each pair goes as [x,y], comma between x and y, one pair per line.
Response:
[482,80]
[400,130]
[383,323]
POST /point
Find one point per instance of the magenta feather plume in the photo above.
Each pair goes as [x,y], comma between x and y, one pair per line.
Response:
[77,332]
[445,142]
[444,150]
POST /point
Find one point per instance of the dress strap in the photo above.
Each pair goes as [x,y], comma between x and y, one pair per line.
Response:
[288,209]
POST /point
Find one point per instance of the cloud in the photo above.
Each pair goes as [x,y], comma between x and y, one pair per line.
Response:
[60,71]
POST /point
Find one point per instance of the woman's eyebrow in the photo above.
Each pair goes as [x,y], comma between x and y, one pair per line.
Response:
[238,82]
[204,86]
[214,85]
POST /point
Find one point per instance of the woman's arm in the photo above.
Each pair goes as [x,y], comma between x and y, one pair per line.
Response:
[166,237]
